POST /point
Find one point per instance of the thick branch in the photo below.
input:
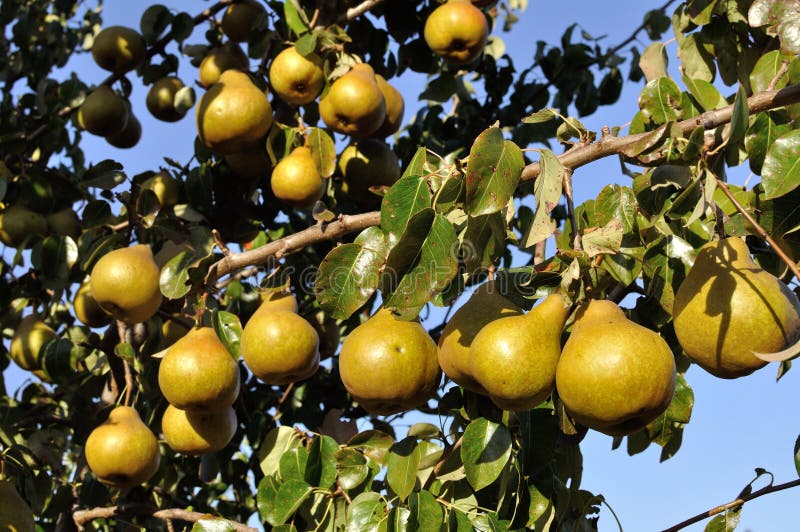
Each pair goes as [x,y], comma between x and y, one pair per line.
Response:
[608,145]
[360,9]
[81,517]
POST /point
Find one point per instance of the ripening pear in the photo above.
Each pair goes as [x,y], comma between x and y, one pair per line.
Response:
[728,307]
[237,22]
[354,105]
[87,310]
[457,31]
[218,60]
[395,107]
[125,283]
[29,338]
[18,222]
[233,114]
[388,364]
[614,376]
[118,49]
[272,301]
[161,99]
[103,112]
[122,452]
[65,223]
[196,433]
[197,373]
[297,79]
[280,347]
[514,358]
[296,180]
[368,163]
[484,306]
[166,188]
[15,514]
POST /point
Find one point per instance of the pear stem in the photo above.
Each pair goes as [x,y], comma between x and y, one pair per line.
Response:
[81,517]
[124,336]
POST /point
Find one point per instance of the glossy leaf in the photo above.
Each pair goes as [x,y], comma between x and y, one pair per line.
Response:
[740,118]
[229,330]
[426,513]
[780,173]
[351,467]
[321,469]
[373,443]
[402,464]
[277,441]
[407,197]
[763,131]
[493,172]
[291,494]
[175,275]
[485,451]
[547,189]
[323,151]
[483,241]
[705,94]
[367,513]
[659,101]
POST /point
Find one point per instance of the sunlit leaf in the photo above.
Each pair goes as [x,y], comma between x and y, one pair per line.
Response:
[485,451]
[494,168]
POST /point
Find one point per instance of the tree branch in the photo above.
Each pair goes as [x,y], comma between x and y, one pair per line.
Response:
[636,32]
[733,504]
[81,517]
[360,9]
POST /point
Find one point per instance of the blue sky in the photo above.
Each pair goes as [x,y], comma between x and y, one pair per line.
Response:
[736,426]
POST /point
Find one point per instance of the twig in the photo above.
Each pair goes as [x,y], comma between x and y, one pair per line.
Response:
[566,185]
[733,504]
[220,243]
[360,9]
[781,71]
[636,32]
[81,517]
[124,336]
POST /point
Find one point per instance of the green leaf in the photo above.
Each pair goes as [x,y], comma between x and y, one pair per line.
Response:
[306,44]
[367,513]
[666,261]
[780,173]
[485,450]
[696,61]
[765,70]
[653,62]
[426,513]
[659,101]
[295,17]
[293,464]
[322,150]
[352,468]
[402,464]
[547,189]
[440,89]
[766,127]
[493,172]
[213,524]
[407,197]
[416,166]
[175,275]
[373,443]
[276,442]
[291,494]
[700,11]
[603,240]
[55,257]
[726,522]
[321,470]
[740,119]
[229,330]
[154,22]
[705,94]
[182,26]
[265,494]
[483,241]
[541,116]
[106,175]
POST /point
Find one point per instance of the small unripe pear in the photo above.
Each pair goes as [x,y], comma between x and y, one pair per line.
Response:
[130,135]
[197,433]
[118,49]
[296,179]
[125,283]
[103,112]
[29,338]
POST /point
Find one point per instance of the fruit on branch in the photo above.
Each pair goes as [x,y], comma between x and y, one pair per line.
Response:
[218,60]
[197,373]
[239,18]
[196,433]
[297,79]
[18,223]
[367,163]
[130,135]
[26,344]
[15,514]
[161,99]
[166,188]
[103,112]
[64,223]
[728,307]
[122,452]
[280,346]
[87,310]
[171,332]
[125,283]
[395,107]
[296,180]
[118,49]
[514,358]
[252,163]
[614,376]
[457,31]
[275,300]
[233,114]
[484,306]
[354,105]
[389,365]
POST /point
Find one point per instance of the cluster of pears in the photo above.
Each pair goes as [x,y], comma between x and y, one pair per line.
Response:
[728,308]
[15,513]
[21,225]
[200,380]
[457,31]
[278,345]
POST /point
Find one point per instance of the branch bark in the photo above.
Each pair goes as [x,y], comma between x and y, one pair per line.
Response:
[81,517]
[360,9]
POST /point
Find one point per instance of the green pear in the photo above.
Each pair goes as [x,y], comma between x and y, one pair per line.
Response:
[161,99]
[296,180]
[65,223]
[29,338]
[103,112]
[354,105]
[118,49]
[280,347]
[237,22]
[297,79]
[727,308]
[196,433]
[514,358]
[130,135]
[18,223]
[125,283]
[367,163]
[395,108]
[15,514]
[166,188]
[87,310]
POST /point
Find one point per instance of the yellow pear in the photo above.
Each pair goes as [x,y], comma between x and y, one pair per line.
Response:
[367,163]
[280,347]
[29,338]
[197,373]
[237,22]
[354,105]
[125,283]
[728,307]
[118,49]
[196,433]
[395,107]
[389,365]
[18,223]
[252,163]
[297,79]
[87,310]
[103,112]
[65,223]
[130,135]
[514,358]
[15,514]
[457,31]
[161,99]
[171,332]
[614,376]
[122,452]
[218,60]
[274,300]
[484,306]
[166,188]
[296,180]
[233,114]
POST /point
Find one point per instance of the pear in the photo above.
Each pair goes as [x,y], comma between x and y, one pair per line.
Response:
[125,283]
[389,365]
[252,163]
[103,112]
[166,188]
[297,79]
[218,60]
[130,135]
[614,376]
[514,358]
[367,163]
[233,114]
[395,107]
[18,222]
[118,49]
[15,514]
[122,452]
[197,373]
[354,105]
[728,307]
[274,300]
[29,338]
[87,310]
[237,22]
[280,347]
[65,223]
[484,306]
[161,99]
[196,433]
[296,180]
[457,31]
